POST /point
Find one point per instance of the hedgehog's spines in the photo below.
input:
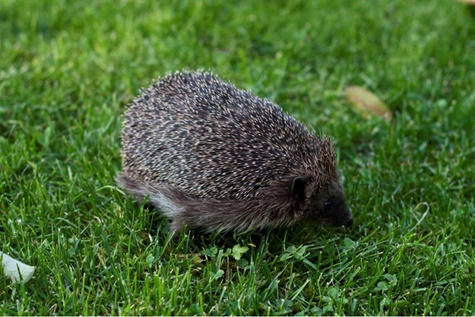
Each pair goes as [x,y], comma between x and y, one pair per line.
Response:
[196,145]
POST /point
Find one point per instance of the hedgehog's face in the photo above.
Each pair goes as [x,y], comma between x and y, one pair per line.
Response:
[325,204]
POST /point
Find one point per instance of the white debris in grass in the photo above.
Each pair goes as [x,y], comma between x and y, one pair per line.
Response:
[17,271]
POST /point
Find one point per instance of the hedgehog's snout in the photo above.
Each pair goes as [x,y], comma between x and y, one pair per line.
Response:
[342,222]
[348,222]
[347,217]
[342,216]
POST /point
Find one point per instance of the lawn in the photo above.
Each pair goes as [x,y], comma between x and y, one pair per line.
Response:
[68,69]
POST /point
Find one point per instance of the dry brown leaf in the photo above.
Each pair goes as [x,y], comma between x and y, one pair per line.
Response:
[366,103]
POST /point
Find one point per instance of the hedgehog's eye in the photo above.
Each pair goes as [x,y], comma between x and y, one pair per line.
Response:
[327,203]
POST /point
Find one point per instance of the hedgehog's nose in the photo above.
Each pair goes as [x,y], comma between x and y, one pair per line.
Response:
[348,222]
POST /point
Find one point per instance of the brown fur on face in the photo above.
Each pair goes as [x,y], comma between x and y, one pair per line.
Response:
[327,204]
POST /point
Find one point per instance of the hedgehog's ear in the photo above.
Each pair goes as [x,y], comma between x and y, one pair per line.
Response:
[297,189]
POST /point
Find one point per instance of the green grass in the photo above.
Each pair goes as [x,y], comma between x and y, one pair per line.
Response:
[69,68]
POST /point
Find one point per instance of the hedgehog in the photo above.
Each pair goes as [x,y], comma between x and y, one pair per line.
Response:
[217,158]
